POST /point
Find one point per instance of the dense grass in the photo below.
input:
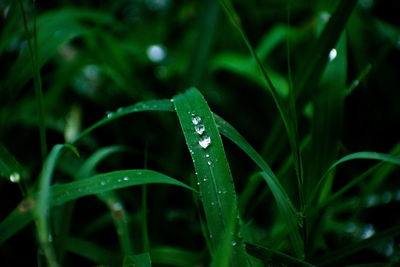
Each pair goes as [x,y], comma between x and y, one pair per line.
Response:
[180,133]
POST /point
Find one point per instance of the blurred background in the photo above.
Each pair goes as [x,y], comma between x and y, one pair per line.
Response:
[97,56]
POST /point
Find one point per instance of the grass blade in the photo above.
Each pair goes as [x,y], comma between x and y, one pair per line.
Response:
[172,256]
[355,156]
[286,207]
[215,181]
[9,166]
[137,260]
[151,105]
[109,181]
[275,258]
[287,110]
[317,58]
[92,251]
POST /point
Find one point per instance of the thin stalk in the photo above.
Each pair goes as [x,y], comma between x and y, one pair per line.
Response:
[37,82]
[145,233]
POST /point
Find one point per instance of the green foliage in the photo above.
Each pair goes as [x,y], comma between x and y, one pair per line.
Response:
[301,87]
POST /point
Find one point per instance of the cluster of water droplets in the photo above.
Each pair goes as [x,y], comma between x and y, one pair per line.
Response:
[205,140]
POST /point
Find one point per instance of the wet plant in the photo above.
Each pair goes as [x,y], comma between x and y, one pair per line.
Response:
[167,133]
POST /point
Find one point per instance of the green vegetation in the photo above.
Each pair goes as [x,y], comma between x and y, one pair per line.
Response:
[199,133]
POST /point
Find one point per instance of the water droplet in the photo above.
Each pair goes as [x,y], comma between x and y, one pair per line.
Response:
[233,243]
[126,178]
[196,120]
[207,155]
[351,227]
[368,231]
[209,163]
[103,183]
[205,179]
[332,54]
[211,236]
[366,3]
[386,197]
[50,238]
[200,129]
[212,203]
[372,200]
[119,180]
[198,183]
[15,177]
[156,53]
[205,141]
[219,192]
[171,100]
[117,206]
[110,114]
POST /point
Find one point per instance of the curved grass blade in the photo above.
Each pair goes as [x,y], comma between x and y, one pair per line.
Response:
[275,258]
[90,164]
[351,249]
[101,183]
[137,260]
[317,58]
[214,177]
[42,206]
[151,105]
[109,181]
[92,251]
[172,256]
[354,156]
[287,109]
[286,207]
[9,166]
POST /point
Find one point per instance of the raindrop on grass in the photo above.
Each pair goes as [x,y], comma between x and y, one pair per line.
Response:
[332,54]
[205,141]
[207,155]
[200,129]
[386,197]
[126,178]
[209,163]
[117,206]
[234,243]
[368,231]
[156,53]
[110,115]
[15,177]
[196,120]
[103,183]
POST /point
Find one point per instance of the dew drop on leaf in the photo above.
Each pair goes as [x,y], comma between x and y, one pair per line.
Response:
[199,129]
[196,120]
[205,141]
[15,177]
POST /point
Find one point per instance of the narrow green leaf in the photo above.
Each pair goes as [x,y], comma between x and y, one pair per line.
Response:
[91,251]
[151,105]
[355,156]
[172,256]
[90,164]
[214,178]
[275,258]
[317,58]
[353,248]
[9,167]
[287,110]
[109,181]
[286,207]
[137,260]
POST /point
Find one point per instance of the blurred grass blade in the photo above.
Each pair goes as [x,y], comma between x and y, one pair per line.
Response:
[314,64]
[214,177]
[151,105]
[43,203]
[359,79]
[92,251]
[353,248]
[172,256]
[275,258]
[137,260]
[88,167]
[109,181]
[286,110]
[101,183]
[37,81]
[355,156]
[20,217]
[9,166]
[289,213]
